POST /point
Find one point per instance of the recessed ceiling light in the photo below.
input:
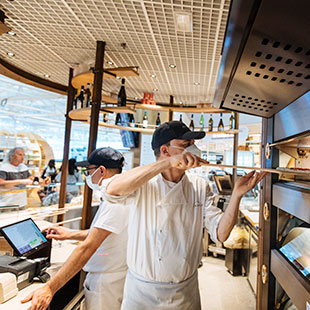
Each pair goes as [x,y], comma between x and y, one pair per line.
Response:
[155,89]
[196,83]
[172,66]
[110,62]
[153,75]
[12,33]
[46,75]
[181,102]
[10,54]
[118,77]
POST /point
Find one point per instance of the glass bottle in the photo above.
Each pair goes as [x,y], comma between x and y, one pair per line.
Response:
[221,124]
[145,120]
[118,120]
[121,98]
[232,121]
[210,127]
[158,122]
[181,120]
[105,117]
[87,96]
[80,99]
[131,120]
[191,124]
[202,122]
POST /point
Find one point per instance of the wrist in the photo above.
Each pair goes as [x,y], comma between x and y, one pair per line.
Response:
[236,195]
[51,286]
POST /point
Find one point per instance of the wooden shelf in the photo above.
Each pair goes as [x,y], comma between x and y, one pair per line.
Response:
[80,114]
[108,99]
[115,109]
[161,108]
[229,131]
[142,130]
[88,77]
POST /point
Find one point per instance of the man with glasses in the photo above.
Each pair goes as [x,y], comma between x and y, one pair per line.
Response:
[168,209]
[104,246]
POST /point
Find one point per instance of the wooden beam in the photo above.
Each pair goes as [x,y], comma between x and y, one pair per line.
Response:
[170,117]
[93,130]
[64,169]
[22,76]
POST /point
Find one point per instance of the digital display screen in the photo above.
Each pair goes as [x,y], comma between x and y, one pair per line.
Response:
[297,251]
[25,235]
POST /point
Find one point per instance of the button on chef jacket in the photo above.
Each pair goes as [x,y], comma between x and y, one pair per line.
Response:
[165,226]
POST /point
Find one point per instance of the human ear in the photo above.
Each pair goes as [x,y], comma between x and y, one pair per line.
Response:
[164,150]
[103,171]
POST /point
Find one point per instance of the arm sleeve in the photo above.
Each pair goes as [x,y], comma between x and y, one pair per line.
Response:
[212,215]
[112,217]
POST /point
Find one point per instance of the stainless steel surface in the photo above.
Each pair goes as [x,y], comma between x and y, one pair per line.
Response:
[295,202]
[273,68]
[293,120]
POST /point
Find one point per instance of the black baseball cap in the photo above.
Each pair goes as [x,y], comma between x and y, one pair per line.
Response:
[105,156]
[174,130]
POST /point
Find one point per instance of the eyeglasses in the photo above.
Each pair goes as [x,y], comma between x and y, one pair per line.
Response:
[87,170]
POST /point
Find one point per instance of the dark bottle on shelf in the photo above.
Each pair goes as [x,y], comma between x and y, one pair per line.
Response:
[221,124]
[87,96]
[232,121]
[210,127]
[131,120]
[121,98]
[158,122]
[80,99]
[191,124]
[105,117]
[145,120]
[118,120]
[181,120]
[202,122]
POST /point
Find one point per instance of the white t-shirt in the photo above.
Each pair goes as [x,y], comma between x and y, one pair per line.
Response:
[10,172]
[111,254]
[165,227]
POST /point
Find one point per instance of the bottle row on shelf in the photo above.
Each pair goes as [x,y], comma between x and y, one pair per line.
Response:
[82,98]
[220,126]
[126,119]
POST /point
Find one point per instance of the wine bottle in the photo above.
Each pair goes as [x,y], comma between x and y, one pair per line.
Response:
[121,98]
[210,127]
[221,124]
[202,122]
[145,120]
[118,120]
[191,124]
[181,120]
[105,117]
[87,96]
[158,119]
[131,120]
[232,121]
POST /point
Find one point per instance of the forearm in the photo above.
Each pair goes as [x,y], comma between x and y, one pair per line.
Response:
[12,182]
[79,235]
[229,218]
[131,180]
[72,266]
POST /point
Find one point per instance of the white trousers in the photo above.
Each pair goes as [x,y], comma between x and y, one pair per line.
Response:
[104,291]
[140,294]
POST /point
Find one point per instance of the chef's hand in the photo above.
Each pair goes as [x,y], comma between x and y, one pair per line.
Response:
[41,298]
[57,233]
[186,161]
[247,182]
[26,181]
[47,181]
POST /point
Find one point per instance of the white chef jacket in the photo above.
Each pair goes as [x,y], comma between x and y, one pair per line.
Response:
[165,226]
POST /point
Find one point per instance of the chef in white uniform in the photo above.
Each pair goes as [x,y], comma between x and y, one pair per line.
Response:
[104,245]
[168,209]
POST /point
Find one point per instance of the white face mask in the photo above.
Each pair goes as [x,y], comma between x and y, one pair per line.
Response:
[89,182]
[193,149]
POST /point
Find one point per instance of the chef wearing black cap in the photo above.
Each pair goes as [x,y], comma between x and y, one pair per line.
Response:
[168,209]
[104,246]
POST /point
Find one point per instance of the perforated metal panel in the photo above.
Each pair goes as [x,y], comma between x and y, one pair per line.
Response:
[274,67]
[53,35]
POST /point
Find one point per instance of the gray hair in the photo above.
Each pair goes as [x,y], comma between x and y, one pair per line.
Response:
[12,152]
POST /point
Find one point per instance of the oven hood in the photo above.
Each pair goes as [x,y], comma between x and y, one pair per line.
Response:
[266,56]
